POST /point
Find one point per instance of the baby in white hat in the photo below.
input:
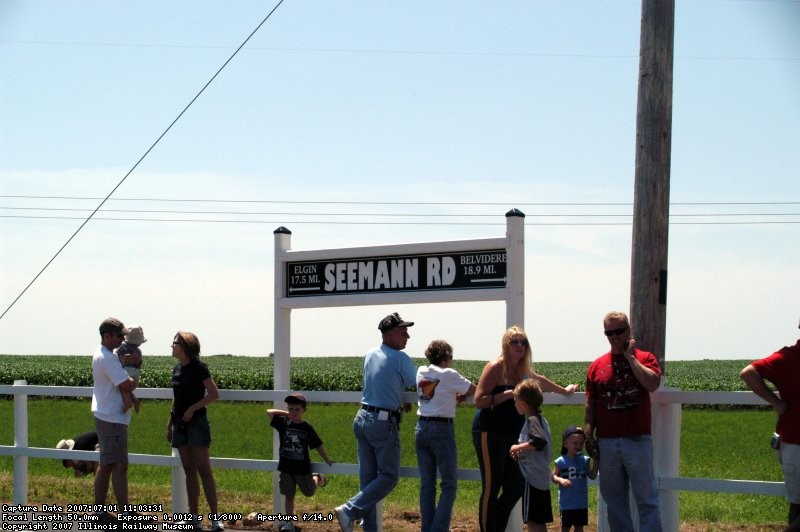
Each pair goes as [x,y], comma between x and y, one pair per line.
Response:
[130,356]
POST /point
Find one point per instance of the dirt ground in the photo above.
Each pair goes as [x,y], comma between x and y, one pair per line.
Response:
[409,521]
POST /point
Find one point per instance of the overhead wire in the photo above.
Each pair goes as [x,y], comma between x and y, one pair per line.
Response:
[146,153]
[353,202]
[562,213]
[378,214]
[393,51]
[405,222]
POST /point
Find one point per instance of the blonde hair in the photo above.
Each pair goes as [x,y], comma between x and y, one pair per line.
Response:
[525,366]
[616,315]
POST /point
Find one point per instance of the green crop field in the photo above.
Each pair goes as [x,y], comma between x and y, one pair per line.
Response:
[715,443]
[334,373]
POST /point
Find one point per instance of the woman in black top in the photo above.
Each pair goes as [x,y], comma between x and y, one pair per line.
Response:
[497,425]
[188,428]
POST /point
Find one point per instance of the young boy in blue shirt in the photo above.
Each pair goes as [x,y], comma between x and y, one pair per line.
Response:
[571,471]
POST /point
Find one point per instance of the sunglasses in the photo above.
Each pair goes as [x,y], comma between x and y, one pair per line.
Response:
[518,342]
[615,332]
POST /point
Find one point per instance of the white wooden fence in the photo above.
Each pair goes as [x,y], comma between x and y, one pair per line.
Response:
[666,441]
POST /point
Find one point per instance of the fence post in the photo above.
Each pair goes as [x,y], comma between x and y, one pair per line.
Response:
[666,455]
[515,304]
[282,344]
[20,440]
[180,501]
[515,270]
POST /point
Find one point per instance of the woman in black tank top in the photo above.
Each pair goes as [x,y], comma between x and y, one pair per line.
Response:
[496,427]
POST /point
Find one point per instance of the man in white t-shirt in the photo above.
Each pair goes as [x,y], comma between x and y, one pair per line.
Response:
[439,389]
[110,419]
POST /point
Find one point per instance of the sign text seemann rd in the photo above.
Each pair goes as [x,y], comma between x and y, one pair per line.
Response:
[466,270]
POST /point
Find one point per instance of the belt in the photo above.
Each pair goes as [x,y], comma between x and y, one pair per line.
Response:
[370,408]
[439,419]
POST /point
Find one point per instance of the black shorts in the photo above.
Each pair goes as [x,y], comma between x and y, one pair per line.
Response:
[288,484]
[574,517]
[537,506]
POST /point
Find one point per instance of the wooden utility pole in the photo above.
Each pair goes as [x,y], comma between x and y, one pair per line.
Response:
[648,310]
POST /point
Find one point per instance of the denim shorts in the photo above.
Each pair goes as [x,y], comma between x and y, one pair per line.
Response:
[194,433]
[789,457]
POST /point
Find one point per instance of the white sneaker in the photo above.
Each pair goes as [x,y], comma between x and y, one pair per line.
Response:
[345,523]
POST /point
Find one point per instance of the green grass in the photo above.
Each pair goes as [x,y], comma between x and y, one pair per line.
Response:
[729,445]
[714,444]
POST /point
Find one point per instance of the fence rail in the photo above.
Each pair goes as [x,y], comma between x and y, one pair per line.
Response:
[666,403]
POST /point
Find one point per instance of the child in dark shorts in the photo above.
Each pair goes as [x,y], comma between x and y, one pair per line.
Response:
[533,453]
[296,438]
[570,472]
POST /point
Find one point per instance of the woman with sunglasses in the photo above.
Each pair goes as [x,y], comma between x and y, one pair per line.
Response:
[497,425]
[188,428]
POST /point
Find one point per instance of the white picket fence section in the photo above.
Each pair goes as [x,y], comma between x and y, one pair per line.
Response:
[666,441]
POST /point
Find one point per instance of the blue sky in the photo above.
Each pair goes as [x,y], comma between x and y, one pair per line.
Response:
[367,123]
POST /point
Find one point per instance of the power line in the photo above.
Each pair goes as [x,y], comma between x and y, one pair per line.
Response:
[349,202]
[388,51]
[146,153]
[713,213]
[405,222]
[383,214]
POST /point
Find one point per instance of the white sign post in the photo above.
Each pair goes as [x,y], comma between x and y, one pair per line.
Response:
[488,269]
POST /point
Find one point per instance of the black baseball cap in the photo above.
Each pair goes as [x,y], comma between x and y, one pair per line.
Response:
[391,321]
[296,398]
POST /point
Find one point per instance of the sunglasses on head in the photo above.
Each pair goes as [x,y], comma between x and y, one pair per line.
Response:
[615,332]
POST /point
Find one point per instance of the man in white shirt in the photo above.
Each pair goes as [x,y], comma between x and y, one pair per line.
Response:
[111,420]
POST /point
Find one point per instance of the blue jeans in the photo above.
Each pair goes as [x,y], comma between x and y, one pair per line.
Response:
[624,463]
[378,465]
[436,450]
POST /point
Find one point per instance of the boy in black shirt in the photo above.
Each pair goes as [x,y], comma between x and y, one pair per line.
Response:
[296,438]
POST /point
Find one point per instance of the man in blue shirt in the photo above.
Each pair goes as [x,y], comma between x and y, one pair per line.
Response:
[388,371]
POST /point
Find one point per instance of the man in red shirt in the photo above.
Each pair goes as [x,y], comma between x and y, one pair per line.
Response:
[617,415]
[782,369]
